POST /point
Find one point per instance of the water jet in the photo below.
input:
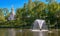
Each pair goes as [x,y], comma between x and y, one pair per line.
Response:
[40,28]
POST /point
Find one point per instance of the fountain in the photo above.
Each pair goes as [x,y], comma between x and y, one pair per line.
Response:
[39,28]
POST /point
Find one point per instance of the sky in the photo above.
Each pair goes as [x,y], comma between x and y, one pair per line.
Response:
[16,3]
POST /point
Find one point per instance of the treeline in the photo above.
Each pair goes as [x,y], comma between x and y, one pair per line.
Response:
[30,12]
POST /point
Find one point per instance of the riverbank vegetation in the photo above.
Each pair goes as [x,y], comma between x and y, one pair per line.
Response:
[24,18]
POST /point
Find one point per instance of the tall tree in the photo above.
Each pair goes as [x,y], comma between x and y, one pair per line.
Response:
[39,9]
[36,2]
[6,11]
[52,10]
[2,18]
[30,5]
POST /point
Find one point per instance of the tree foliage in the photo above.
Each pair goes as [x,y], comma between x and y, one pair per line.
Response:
[30,12]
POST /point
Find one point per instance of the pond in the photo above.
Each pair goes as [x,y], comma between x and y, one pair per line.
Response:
[27,32]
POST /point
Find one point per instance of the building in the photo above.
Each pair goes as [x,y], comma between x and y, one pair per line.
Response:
[12,14]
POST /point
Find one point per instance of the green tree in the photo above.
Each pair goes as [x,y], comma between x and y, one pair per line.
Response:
[2,18]
[6,13]
[52,10]
[39,10]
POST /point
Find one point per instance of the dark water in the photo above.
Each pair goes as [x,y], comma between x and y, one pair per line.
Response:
[27,32]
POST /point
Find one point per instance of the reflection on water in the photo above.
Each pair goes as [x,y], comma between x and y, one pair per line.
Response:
[27,32]
[40,33]
[11,32]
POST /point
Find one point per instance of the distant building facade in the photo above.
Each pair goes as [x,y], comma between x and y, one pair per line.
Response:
[12,14]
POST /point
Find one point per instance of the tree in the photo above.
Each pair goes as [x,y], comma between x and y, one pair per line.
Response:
[2,18]
[40,9]
[52,10]
[30,5]
[6,13]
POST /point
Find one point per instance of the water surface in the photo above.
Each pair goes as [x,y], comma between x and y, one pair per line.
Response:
[27,32]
